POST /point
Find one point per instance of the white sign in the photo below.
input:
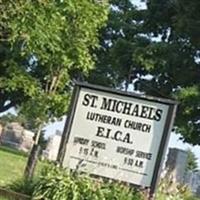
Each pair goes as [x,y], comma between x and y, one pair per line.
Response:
[115,136]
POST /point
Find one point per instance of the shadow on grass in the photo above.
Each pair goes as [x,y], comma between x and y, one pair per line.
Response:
[13,151]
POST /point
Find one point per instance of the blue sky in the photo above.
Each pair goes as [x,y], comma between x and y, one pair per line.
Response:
[139,4]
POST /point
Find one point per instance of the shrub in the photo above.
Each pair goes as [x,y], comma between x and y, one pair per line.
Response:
[119,191]
[23,186]
[57,183]
[170,190]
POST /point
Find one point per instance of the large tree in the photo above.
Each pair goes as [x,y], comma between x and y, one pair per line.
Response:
[121,37]
[175,59]
[162,41]
[44,44]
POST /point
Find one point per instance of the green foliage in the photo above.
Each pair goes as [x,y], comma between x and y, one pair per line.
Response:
[162,41]
[188,113]
[45,44]
[177,56]
[173,191]
[119,40]
[56,183]
[192,163]
[181,16]
[120,192]
[5,119]
[23,186]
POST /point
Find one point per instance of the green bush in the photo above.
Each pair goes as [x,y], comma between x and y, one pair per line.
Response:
[57,184]
[170,190]
[23,186]
[117,191]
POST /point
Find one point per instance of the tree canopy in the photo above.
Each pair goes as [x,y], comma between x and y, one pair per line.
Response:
[44,45]
[160,41]
[119,40]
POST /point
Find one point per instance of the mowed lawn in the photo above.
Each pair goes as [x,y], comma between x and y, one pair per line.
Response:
[12,165]
[3,198]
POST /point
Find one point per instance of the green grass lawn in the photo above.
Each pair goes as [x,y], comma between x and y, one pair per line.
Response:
[12,164]
[3,198]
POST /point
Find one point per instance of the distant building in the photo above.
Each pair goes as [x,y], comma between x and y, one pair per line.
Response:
[192,179]
[176,164]
[15,136]
[53,145]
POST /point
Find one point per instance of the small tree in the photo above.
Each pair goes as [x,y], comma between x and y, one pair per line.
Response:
[192,164]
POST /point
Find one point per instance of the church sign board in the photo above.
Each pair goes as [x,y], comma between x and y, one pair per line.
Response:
[117,135]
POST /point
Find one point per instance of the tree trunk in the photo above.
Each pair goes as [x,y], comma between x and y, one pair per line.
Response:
[33,156]
[32,161]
